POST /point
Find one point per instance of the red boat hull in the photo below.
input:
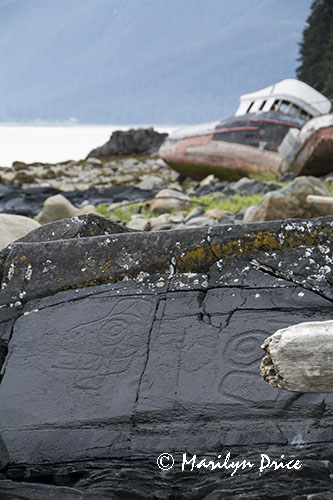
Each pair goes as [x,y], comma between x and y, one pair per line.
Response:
[200,156]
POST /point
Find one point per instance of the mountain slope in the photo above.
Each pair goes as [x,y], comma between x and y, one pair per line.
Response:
[142,61]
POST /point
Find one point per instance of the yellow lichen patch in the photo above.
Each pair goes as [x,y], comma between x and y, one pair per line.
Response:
[268,241]
[193,258]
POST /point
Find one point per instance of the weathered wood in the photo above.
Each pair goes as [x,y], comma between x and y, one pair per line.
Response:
[320,200]
[300,358]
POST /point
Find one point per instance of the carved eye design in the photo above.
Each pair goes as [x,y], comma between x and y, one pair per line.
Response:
[244,348]
[113,331]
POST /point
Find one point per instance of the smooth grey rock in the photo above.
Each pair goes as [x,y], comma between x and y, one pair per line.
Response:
[151,182]
[56,207]
[196,212]
[200,221]
[168,200]
[94,161]
[13,227]
[290,201]
[139,223]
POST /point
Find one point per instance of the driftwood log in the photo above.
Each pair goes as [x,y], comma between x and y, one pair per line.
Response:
[320,200]
[300,358]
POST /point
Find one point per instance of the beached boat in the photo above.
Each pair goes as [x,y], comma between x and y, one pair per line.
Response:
[266,135]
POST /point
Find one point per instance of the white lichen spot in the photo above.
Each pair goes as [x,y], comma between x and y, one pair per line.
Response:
[301,294]
[281,238]
[257,295]
[28,272]
[160,283]
[323,250]
[10,273]
[171,271]
[141,276]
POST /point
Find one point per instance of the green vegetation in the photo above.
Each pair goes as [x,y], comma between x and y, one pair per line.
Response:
[232,204]
[316,48]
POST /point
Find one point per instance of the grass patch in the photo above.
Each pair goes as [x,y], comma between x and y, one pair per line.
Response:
[233,204]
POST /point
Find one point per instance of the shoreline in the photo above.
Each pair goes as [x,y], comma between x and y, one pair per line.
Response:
[53,143]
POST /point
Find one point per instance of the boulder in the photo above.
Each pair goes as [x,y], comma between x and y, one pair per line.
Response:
[151,182]
[215,213]
[58,207]
[196,212]
[168,200]
[290,201]
[13,227]
[200,221]
[248,187]
[122,347]
[80,226]
[139,222]
[130,142]
[210,179]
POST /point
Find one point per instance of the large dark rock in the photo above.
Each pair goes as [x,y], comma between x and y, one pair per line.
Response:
[125,346]
[29,202]
[130,142]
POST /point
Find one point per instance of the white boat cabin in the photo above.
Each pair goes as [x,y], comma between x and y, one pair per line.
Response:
[287,96]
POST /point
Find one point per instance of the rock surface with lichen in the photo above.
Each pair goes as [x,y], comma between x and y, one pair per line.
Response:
[126,345]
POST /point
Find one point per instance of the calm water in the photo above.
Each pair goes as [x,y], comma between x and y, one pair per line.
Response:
[54,143]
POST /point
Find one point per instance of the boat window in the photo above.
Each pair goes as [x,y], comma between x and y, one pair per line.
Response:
[262,105]
[306,115]
[294,110]
[275,105]
[284,107]
[248,109]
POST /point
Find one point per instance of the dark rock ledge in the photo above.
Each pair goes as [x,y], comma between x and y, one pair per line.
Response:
[119,347]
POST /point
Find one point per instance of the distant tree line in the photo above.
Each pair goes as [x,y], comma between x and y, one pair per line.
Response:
[316,48]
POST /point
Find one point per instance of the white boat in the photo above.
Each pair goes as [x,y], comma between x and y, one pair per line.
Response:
[260,137]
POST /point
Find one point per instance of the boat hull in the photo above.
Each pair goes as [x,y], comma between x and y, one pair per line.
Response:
[200,156]
[231,147]
[316,154]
